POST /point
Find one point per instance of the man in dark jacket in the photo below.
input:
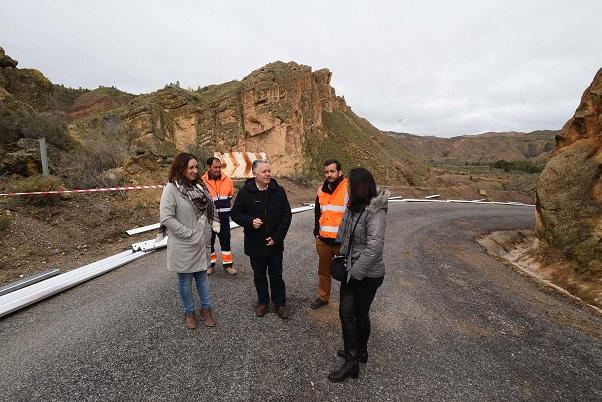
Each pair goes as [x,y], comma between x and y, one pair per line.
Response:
[262,209]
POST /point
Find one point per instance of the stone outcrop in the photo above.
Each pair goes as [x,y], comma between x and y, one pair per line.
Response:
[271,110]
[6,61]
[27,85]
[569,192]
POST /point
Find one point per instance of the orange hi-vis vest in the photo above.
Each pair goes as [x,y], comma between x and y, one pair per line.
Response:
[221,191]
[332,208]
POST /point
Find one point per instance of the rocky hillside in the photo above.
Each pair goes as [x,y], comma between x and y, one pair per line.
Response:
[486,147]
[569,192]
[284,109]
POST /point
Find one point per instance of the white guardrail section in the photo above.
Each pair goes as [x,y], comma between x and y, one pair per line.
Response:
[31,294]
[18,299]
[148,245]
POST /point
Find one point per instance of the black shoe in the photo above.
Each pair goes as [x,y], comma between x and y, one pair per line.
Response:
[317,303]
[362,356]
[350,368]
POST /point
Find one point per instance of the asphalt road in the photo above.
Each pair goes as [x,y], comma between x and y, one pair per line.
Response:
[449,323]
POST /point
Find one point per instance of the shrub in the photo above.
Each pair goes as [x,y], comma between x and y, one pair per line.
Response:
[33,184]
[301,179]
[5,221]
[525,166]
[19,120]
[84,166]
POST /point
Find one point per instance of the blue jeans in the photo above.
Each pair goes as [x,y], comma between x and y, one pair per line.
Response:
[185,289]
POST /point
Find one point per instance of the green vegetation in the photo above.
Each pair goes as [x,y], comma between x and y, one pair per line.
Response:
[5,221]
[103,149]
[32,184]
[19,120]
[216,93]
[482,167]
[64,96]
[525,166]
[354,142]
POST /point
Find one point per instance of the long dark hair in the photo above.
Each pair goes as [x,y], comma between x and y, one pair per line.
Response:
[179,166]
[362,188]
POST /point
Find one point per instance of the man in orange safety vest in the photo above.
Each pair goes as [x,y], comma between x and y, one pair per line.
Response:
[331,203]
[221,188]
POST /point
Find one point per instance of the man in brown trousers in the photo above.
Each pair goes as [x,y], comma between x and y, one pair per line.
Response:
[331,203]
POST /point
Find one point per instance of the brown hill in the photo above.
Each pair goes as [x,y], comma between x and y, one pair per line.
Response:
[486,147]
[569,192]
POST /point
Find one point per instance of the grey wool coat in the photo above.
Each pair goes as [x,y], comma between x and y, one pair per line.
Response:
[368,239]
[189,239]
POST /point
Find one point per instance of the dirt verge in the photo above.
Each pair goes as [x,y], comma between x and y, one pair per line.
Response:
[550,268]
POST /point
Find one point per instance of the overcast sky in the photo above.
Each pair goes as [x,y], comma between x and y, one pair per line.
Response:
[432,67]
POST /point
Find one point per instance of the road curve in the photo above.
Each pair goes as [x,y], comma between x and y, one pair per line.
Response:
[449,323]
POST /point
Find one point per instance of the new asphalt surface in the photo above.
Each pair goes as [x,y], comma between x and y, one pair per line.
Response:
[449,323]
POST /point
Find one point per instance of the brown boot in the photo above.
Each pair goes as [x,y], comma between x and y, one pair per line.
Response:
[282,312]
[261,310]
[207,317]
[190,319]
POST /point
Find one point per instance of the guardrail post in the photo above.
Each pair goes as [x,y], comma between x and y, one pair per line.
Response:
[44,156]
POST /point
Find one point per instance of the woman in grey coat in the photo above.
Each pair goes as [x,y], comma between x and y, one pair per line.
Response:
[188,216]
[365,267]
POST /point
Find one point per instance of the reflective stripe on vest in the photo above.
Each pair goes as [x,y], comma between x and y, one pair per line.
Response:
[221,191]
[332,208]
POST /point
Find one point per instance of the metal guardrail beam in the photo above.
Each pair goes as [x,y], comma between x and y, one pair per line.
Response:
[31,294]
[11,287]
[142,229]
[509,203]
[155,226]
[150,244]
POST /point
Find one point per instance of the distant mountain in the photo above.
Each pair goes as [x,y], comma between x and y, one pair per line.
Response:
[485,147]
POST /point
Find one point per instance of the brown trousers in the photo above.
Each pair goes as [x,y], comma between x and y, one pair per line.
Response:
[325,254]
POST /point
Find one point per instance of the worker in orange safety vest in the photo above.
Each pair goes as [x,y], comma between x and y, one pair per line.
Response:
[331,203]
[221,188]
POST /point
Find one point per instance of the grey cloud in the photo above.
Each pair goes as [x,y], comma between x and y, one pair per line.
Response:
[444,68]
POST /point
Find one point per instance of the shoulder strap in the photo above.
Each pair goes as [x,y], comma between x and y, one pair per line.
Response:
[352,233]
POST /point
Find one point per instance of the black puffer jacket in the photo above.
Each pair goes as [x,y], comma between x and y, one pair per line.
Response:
[272,208]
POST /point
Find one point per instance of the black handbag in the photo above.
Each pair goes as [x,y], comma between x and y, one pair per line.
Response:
[338,267]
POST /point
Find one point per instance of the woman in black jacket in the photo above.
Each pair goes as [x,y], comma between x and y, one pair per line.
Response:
[365,267]
[262,209]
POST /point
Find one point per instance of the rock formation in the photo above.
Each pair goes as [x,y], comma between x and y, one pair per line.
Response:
[27,85]
[284,109]
[271,110]
[569,192]
[279,109]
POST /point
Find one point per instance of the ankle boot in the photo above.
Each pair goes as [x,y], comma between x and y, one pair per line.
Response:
[350,368]
[207,317]
[190,320]
[362,355]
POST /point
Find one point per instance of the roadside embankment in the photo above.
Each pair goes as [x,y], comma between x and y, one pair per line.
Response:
[549,267]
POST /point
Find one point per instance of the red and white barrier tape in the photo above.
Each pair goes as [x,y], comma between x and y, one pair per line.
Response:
[90,190]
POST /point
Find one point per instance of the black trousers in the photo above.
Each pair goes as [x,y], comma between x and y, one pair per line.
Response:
[354,310]
[262,268]
[224,240]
